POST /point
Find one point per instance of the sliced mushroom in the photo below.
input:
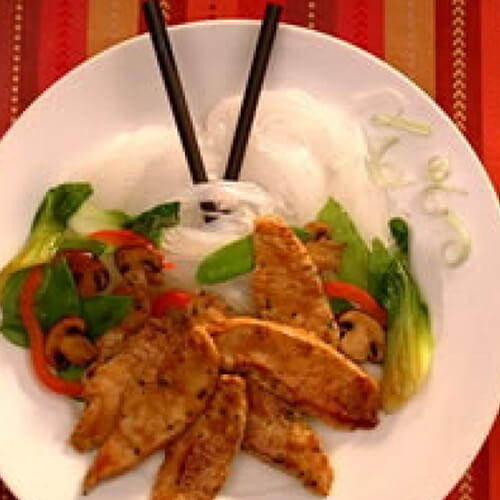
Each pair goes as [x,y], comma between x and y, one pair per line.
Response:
[318,230]
[78,350]
[325,252]
[90,274]
[136,259]
[66,343]
[361,337]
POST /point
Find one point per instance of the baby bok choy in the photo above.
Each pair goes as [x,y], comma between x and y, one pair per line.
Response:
[151,223]
[410,341]
[48,227]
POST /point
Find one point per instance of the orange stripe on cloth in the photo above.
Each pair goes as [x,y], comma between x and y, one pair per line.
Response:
[490,96]
[110,22]
[410,43]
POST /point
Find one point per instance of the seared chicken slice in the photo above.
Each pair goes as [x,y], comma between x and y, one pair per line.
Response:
[208,310]
[281,436]
[145,397]
[286,282]
[324,251]
[137,287]
[301,369]
[196,465]
[275,432]
[111,343]
[103,388]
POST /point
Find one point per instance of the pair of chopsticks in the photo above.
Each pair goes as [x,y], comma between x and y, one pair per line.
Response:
[177,98]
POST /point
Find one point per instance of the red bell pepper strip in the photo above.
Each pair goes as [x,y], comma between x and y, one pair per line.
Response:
[343,290]
[127,238]
[167,264]
[121,238]
[37,339]
[171,298]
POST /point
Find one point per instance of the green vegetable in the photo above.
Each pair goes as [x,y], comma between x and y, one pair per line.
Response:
[58,295]
[354,265]
[378,265]
[48,226]
[410,341]
[339,306]
[103,312]
[153,222]
[94,246]
[57,298]
[72,373]
[60,203]
[12,325]
[232,260]
[400,233]
[90,219]
[301,233]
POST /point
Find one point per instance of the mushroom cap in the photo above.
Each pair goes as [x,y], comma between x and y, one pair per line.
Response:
[362,338]
[138,258]
[66,342]
[90,273]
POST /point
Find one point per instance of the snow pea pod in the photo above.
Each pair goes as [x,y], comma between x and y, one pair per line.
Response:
[232,260]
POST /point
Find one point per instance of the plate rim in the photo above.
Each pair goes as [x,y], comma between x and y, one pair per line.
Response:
[456,464]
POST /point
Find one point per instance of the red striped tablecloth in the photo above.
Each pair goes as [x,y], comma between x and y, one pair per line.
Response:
[449,47]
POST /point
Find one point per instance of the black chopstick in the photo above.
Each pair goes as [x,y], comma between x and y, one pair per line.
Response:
[168,68]
[252,91]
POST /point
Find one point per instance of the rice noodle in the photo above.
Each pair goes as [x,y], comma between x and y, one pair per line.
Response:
[303,151]
[238,204]
[300,152]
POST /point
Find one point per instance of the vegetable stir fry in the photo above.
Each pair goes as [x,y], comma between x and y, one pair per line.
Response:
[90,297]
[57,294]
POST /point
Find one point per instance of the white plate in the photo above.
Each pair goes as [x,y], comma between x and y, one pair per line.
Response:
[418,453]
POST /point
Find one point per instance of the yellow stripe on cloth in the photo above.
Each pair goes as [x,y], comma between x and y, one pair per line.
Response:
[110,22]
[410,42]
[15,68]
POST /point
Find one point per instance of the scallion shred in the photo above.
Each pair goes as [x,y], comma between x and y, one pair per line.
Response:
[438,169]
[401,122]
[456,251]
[384,173]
